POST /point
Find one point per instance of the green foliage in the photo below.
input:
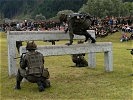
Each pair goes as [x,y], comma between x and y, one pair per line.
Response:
[65,12]
[102,8]
[127,0]
[40,17]
[69,82]
[48,8]
[129,8]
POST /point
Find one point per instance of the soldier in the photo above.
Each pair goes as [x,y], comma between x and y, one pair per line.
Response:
[32,68]
[131,54]
[79,59]
[78,23]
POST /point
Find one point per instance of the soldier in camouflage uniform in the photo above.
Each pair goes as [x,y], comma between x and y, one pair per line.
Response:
[79,59]
[32,68]
[78,23]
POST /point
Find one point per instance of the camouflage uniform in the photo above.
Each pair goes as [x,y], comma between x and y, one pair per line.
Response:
[32,68]
[78,24]
[79,59]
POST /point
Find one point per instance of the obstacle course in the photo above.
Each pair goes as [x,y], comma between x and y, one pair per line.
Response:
[91,49]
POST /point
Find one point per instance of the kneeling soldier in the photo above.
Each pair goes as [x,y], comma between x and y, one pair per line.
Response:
[32,68]
[79,59]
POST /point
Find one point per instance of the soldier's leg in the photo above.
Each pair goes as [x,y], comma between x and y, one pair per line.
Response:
[18,80]
[46,83]
[37,80]
[40,86]
[84,62]
[71,39]
[87,35]
[78,63]
[53,42]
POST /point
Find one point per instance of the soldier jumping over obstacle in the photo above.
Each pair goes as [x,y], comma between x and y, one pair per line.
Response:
[78,23]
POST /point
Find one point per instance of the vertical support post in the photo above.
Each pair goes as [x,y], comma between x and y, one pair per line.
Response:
[91,60]
[11,54]
[108,61]
[92,55]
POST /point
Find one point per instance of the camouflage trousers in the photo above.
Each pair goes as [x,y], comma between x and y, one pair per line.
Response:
[31,78]
[79,61]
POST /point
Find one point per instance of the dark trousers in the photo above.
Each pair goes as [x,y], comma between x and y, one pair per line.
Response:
[40,80]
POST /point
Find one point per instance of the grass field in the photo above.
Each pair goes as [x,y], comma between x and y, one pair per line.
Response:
[69,82]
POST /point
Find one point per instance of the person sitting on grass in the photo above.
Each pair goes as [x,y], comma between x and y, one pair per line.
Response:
[124,37]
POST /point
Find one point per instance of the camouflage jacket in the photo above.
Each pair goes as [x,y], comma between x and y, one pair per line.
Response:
[33,63]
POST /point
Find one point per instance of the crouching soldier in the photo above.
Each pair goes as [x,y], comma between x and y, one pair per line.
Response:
[32,68]
[79,59]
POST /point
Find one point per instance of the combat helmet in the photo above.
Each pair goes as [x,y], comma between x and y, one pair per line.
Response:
[31,46]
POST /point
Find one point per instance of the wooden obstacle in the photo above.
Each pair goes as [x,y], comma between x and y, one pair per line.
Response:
[13,36]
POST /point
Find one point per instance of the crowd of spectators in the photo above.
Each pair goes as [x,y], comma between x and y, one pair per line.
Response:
[103,27]
[110,25]
[31,26]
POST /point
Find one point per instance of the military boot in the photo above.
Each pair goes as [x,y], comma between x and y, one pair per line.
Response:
[92,40]
[87,35]
[17,85]
[40,86]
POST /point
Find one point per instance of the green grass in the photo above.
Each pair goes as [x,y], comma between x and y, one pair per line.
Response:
[69,82]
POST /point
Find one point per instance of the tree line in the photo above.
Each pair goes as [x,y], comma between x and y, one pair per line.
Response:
[31,8]
[50,8]
[103,8]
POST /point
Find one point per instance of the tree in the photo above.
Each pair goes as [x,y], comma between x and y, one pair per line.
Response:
[40,17]
[128,8]
[102,8]
[65,12]
[94,7]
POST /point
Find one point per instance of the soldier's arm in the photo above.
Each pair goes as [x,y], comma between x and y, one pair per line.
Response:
[23,62]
